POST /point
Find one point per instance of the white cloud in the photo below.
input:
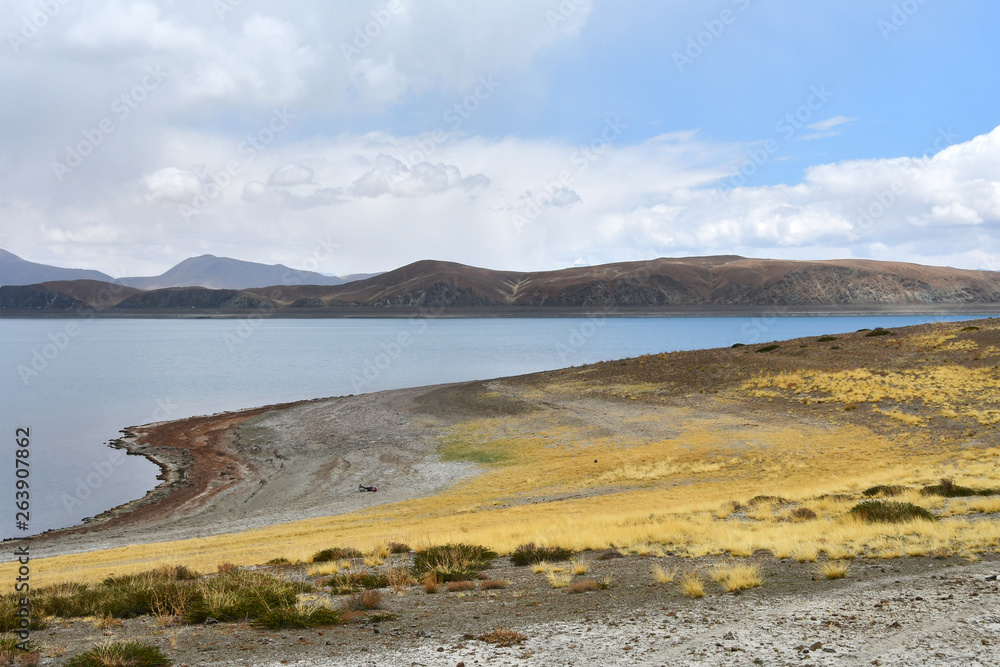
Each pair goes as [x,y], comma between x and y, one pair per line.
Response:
[831,127]
[391,176]
[291,173]
[171,185]
[831,123]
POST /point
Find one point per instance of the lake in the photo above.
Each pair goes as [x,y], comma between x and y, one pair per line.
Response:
[75,383]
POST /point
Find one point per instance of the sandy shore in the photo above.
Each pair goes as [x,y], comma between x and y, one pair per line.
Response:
[252,468]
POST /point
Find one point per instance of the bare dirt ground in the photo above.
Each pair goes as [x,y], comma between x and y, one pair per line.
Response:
[258,467]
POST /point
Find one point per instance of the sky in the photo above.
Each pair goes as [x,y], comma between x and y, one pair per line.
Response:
[358,136]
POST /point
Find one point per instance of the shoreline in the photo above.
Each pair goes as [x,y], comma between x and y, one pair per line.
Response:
[177,464]
[970,310]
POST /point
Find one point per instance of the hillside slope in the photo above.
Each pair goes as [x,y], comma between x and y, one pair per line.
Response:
[696,282]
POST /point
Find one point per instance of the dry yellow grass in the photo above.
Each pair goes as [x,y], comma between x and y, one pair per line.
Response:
[674,493]
[833,570]
[578,567]
[662,575]
[692,585]
[737,577]
[559,579]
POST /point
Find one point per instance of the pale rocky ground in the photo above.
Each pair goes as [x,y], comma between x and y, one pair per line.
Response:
[908,611]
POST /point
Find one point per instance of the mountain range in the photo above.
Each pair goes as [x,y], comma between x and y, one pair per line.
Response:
[202,271]
[695,283]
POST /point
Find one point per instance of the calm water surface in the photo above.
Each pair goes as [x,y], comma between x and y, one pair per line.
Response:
[75,383]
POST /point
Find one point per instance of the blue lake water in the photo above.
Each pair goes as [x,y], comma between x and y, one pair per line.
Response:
[75,383]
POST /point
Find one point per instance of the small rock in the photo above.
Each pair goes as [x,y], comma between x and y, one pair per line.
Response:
[211,621]
[992,577]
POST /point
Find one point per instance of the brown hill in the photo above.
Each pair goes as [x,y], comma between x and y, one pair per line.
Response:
[697,282]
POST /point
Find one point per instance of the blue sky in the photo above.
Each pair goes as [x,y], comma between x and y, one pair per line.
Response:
[895,153]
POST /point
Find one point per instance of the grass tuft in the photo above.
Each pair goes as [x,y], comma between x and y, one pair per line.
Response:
[734,577]
[455,586]
[120,654]
[453,562]
[298,617]
[492,584]
[692,585]
[336,553]
[833,570]
[530,553]
[948,489]
[802,514]
[363,601]
[502,637]
[559,579]
[884,490]
[584,586]
[662,575]
[890,511]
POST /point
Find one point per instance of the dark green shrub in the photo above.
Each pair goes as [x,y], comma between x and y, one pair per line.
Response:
[241,595]
[970,328]
[364,601]
[278,561]
[949,489]
[282,618]
[768,348]
[343,583]
[399,548]
[879,331]
[735,345]
[826,339]
[453,562]
[124,654]
[773,500]
[529,554]
[884,490]
[336,553]
[889,511]
[9,607]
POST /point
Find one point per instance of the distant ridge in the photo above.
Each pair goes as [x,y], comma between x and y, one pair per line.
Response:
[17,271]
[202,271]
[225,273]
[698,284]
